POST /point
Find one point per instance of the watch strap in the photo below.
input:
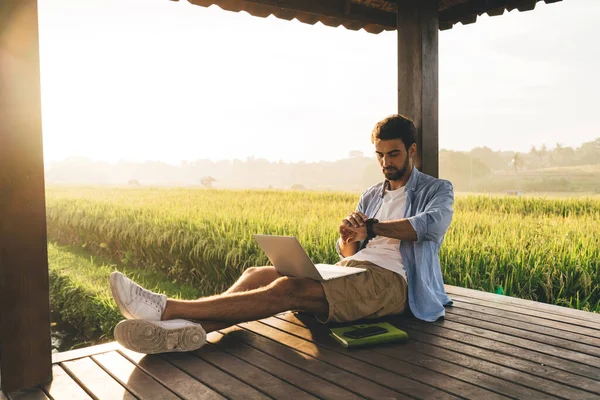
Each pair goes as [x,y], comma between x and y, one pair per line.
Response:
[369,224]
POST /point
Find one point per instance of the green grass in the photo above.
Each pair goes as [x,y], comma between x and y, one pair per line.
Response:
[541,249]
[80,292]
[199,236]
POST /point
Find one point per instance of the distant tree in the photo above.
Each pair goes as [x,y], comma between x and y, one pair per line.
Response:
[535,153]
[494,160]
[133,182]
[207,181]
[462,169]
[564,155]
[517,161]
[356,154]
[589,152]
[298,186]
[543,153]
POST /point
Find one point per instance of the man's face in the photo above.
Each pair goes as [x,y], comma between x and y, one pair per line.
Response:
[394,159]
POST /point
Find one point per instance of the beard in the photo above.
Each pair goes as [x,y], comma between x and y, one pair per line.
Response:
[394,174]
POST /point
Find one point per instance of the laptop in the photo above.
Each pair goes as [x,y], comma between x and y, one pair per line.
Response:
[289,258]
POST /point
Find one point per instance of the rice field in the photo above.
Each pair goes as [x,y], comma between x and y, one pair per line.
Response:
[541,249]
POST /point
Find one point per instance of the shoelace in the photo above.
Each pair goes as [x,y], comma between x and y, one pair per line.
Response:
[153,298]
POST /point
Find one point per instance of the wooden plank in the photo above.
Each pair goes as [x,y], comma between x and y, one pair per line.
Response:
[592,326]
[24,293]
[134,379]
[249,374]
[309,382]
[418,29]
[95,380]
[560,383]
[213,377]
[331,373]
[85,352]
[571,385]
[545,344]
[407,352]
[542,325]
[395,374]
[529,330]
[504,303]
[506,382]
[170,376]
[468,335]
[28,394]
[63,386]
[528,304]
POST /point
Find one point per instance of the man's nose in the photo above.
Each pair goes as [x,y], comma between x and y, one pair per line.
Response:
[386,161]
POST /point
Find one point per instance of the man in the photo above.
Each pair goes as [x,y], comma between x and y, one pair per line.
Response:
[395,234]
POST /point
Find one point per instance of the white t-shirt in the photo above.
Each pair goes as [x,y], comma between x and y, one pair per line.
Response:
[381,250]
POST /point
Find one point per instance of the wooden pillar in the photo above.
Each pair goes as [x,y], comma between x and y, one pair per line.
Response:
[25,355]
[418,26]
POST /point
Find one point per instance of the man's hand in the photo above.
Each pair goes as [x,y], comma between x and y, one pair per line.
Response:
[353,228]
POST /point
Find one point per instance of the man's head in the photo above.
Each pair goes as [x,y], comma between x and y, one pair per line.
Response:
[395,144]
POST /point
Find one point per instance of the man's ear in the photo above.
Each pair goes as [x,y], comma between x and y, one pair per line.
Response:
[412,150]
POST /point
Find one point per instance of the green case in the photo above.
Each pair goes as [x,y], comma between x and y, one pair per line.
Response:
[393,334]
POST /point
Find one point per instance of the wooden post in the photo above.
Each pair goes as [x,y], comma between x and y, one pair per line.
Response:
[25,355]
[418,25]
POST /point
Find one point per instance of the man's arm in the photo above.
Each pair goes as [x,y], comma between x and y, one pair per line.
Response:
[431,224]
[398,229]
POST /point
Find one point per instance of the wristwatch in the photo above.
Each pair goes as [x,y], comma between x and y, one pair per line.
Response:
[369,223]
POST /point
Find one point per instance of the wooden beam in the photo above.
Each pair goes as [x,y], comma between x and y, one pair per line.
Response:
[339,9]
[468,11]
[418,29]
[25,354]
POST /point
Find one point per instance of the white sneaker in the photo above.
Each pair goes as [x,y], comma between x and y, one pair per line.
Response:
[134,301]
[151,337]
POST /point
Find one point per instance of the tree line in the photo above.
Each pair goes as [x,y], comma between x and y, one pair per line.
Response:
[481,169]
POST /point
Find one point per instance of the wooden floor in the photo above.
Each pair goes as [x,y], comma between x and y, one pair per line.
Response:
[488,347]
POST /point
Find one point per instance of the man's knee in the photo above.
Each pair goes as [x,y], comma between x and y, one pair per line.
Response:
[251,270]
[265,274]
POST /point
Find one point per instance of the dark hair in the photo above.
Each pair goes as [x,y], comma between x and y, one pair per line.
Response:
[395,126]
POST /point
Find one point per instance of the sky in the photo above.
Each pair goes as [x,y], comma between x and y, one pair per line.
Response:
[168,81]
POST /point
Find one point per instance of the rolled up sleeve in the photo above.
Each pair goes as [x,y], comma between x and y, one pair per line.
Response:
[433,222]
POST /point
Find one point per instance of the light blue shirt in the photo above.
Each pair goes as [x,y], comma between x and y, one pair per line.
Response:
[429,210]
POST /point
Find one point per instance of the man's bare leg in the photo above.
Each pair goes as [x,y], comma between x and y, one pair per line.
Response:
[239,304]
[251,278]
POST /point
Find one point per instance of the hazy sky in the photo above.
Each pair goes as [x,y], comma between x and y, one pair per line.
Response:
[158,80]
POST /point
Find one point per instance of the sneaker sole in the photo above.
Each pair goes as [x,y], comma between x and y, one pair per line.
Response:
[150,338]
[122,308]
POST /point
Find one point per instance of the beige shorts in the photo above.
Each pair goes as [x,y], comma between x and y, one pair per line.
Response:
[375,293]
